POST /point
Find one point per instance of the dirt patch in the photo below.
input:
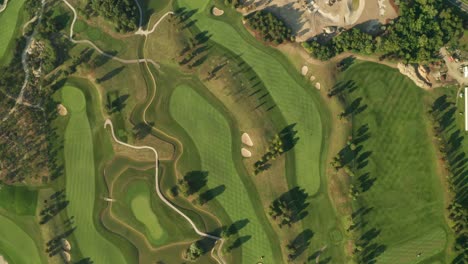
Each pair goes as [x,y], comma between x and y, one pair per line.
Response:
[62,110]
[217,12]
[247,140]
[308,18]
[411,72]
[246,153]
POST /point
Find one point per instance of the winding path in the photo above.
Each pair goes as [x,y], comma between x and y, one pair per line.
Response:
[108,122]
[85,41]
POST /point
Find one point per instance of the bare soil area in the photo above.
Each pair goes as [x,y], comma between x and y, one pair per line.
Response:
[309,18]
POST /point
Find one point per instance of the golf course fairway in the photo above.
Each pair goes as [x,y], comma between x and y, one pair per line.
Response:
[9,22]
[212,136]
[16,245]
[80,184]
[297,105]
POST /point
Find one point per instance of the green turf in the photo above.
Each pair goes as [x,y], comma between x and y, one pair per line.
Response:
[296,104]
[18,199]
[406,197]
[212,136]
[9,20]
[16,245]
[80,180]
[139,197]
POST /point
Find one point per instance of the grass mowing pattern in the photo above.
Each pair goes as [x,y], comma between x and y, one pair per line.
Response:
[18,199]
[212,136]
[406,197]
[139,197]
[8,21]
[80,180]
[296,105]
[16,245]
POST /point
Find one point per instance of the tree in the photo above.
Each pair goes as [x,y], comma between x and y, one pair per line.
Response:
[194,251]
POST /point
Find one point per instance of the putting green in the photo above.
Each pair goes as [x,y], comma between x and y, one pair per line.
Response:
[211,134]
[296,104]
[80,180]
[139,197]
[9,20]
[402,187]
[16,245]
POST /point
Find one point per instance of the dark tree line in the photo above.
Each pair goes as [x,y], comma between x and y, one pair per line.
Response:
[123,13]
[416,36]
[456,159]
[271,28]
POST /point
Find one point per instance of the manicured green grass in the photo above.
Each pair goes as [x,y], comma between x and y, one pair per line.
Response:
[211,134]
[18,199]
[139,197]
[284,84]
[16,245]
[80,180]
[9,20]
[403,188]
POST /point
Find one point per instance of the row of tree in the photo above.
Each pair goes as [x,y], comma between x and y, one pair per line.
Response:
[416,36]
[123,13]
[271,28]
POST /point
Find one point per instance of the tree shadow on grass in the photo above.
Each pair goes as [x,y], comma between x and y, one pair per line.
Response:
[211,194]
[239,242]
[110,74]
[141,130]
[299,244]
[196,180]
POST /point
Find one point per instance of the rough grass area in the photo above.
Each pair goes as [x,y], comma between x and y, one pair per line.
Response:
[16,245]
[9,20]
[139,197]
[18,199]
[401,205]
[211,134]
[80,184]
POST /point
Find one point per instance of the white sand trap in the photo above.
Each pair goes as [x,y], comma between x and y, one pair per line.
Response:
[312,78]
[217,12]
[246,140]
[66,256]
[2,260]
[317,85]
[62,110]
[304,70]
[246,153]
[66,245]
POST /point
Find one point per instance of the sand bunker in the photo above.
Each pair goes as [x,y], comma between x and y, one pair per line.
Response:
[217,12]
[246,140]
[2,260]
[317,85]
[312,78]
[304,70]
[66,256]
[246,153]
[66,245]
[62,110]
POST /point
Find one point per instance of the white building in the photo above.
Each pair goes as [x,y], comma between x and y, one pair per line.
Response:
[466,108]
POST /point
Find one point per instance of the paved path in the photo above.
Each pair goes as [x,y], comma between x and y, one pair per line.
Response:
[3,6]
[108,122]
[85,41]
[140,30]
[459,3]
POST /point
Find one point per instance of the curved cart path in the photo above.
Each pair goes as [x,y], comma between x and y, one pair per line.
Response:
[108,122]
[85,41]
